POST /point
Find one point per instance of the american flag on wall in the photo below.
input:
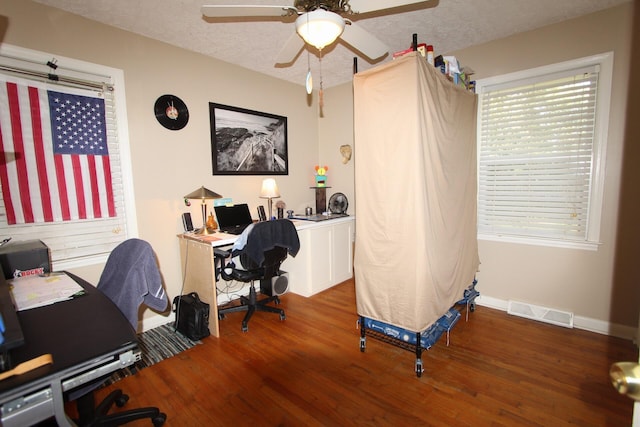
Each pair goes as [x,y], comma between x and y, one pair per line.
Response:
[54,162]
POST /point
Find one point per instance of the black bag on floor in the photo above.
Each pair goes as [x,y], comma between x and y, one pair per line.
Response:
[192,316]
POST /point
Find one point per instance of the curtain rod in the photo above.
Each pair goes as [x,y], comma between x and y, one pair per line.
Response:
[58,79]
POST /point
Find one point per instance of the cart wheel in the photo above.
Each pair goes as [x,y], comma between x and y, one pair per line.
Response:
[419,369]
[363,344]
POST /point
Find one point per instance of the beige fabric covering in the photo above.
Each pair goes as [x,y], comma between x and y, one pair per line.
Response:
[415,187]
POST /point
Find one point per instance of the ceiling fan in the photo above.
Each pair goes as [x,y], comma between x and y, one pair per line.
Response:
[319,23]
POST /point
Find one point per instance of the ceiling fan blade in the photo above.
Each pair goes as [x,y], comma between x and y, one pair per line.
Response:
[225,11]
[290,49]
[366,6]
[364,41]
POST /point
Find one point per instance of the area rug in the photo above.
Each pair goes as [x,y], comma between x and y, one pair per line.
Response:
[155,345]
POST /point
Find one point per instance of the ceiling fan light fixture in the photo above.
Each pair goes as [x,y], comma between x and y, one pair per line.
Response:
[319,28]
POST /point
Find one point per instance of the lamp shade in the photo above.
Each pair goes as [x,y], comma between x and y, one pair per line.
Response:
[203,193]
[269,189]
[319,28]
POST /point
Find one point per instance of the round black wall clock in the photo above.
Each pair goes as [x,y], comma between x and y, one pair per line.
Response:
[171,112]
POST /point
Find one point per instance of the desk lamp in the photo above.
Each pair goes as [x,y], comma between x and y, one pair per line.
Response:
[269,191]
[203,194]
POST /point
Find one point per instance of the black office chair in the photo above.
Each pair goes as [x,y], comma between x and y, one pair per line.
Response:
[130,278]
[261,249]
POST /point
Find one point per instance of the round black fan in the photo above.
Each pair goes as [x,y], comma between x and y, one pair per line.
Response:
[338,204]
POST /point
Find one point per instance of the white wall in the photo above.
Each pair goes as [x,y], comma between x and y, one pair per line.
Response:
[336,129]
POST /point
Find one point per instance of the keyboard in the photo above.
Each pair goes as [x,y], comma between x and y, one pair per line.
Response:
[234,230]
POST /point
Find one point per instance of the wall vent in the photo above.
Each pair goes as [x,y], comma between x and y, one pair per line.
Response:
[543,314]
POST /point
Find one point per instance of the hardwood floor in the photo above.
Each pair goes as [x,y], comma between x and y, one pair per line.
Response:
[498,370]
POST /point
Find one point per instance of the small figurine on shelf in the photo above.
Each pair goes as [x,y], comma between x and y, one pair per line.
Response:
[212,225]
[321,176]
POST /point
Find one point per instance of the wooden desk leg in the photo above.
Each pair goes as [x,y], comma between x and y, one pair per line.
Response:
[198,269]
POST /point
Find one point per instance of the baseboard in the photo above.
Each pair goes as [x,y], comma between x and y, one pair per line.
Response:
[490,302]
[579,322]
[606,328]
[154,321]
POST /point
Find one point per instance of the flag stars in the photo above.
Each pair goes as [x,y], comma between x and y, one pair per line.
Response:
[79,124]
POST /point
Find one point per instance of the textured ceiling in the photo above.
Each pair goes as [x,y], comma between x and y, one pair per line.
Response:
[446,24]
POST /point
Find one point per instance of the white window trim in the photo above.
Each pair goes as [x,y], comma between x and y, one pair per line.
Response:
[123,134]
[605,63]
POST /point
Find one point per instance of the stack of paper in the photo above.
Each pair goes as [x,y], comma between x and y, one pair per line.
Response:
[39,290]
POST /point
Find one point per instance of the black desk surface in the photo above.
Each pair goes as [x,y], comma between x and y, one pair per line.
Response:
[12,335]
[74,332]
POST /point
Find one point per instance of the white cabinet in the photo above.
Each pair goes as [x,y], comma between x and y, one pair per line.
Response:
[342,255]
[325,257]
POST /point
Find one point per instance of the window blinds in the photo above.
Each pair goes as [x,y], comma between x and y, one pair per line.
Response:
[536,155]
[75,242]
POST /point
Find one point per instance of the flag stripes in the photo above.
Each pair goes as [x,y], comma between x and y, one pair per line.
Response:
[54,162]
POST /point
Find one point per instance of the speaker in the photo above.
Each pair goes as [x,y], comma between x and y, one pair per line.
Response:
[275,286]
[261,215]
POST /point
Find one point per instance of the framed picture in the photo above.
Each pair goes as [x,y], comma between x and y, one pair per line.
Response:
[246,142]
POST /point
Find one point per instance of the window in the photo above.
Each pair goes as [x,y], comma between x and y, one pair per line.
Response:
[75,235]
[542,137]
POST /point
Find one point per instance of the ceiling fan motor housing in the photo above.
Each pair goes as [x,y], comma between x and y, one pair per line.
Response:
[336,6]
[319,23]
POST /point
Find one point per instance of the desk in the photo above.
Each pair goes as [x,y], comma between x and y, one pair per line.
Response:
[88,338]
[324,260]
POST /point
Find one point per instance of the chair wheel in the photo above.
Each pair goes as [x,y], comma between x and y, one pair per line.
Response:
[159,420]
[245,328]
[282,316]
[220,316]
[122,400]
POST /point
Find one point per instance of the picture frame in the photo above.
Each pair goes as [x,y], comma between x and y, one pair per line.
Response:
[247,142]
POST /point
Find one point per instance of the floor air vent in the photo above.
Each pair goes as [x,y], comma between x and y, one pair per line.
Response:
[543,314]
